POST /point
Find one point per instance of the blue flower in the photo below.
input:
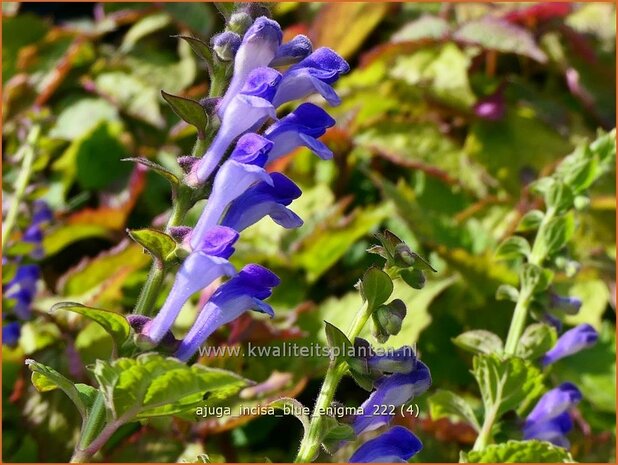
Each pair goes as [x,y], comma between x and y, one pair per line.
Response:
[232,180]
[302,127]
[197,271]
[247,111]
[367,362]
[316,73]
[251,149]
[393,390]
[265,199]
[243,292]
[10,333]
[292,52]
[22,289]
[567,304]
[226,45]
[397,445]
[549,420]
[258,48]
[579,338]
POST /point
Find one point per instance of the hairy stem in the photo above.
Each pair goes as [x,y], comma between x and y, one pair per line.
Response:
[310,445]
[27,154]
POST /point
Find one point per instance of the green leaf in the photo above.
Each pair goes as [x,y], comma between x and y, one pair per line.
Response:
[424,28]
[537,339]
[157,243]
[115,324]
[559,196]
[333,432]
[507,292]
[152,385]
[82,117]
[188,110]
[579,170]
[534,278]
[558,232]
[533,451]
[201,49]
[142,28]
[46,379]
[506,384]
[513,247]
[375,287]
[337,341]
[479,341]
[531,221]
[448,404]
[167,174]
[413,278]
[499,35]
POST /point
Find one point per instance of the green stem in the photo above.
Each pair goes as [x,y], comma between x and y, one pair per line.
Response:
[485,435]
[92,427]
[27,154]
[310,444]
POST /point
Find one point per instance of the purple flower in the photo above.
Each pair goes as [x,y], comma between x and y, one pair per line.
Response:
[218,241]
[567,304]
[292,52]
[243,292]
[265,199]
[316,73]
[232,180]
[396,390]
[247,111]
[397,445]
[549,419]
[579,338]
[367,362]
[302,127]
[22,288]
[226,45]
[41,212]
[197,271]
[10,333]
[251,149]
[258,48]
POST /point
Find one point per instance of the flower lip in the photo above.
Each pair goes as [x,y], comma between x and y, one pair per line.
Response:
[293,51]
[572,341]
[554,403]
[219,241]
[264,28]
[325,64]
[398,444]
[252,149]
[308,118]
[261,82]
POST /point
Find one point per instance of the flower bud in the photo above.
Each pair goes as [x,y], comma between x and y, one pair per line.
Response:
[240,22]
[390,316]
[186,162]
[226,45]
[404,257]
[179,233]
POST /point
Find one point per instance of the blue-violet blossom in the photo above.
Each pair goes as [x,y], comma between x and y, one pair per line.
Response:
[397,445]
[572,341]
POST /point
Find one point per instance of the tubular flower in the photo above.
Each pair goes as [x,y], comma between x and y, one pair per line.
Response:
[22,288]
[397,445]
[243,292]
[197,271]
[265,199]
[302,127]
[293,51]
[247,111]
[396,389]
[549,420]
[579,338]
[316,73]
[258,48]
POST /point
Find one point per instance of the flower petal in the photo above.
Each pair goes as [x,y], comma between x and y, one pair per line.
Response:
[396,445]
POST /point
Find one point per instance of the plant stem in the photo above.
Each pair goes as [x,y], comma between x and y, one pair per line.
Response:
[310,444]
[484,437]
[27,154]
[90,430]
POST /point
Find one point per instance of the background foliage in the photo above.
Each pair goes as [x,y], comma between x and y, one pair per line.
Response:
[449,112]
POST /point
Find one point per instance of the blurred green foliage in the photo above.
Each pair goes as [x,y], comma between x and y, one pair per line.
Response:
[414,152]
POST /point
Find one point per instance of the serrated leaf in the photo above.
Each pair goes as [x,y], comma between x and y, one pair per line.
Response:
[188,110]
[157,243]
[479,341]
[512,248]
[506,384]
[531,221]
[499,35]
[376,287]
[448,404]
[46,379]
[537,339]
[579,171]
[167,174]
[115,324]
[152,385]
[558,196]
[534,278]
[558,232]
[337,341]
[533,451]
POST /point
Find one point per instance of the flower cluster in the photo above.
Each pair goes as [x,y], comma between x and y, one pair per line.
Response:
[243,192]
[550,419]
[21,289]
[398,377]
